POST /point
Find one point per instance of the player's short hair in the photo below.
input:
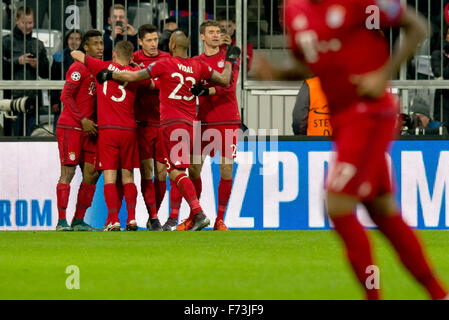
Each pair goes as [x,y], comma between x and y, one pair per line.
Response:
[181,39]
[146,28]
[90,34]
[124,49]
[23,10]
[208,23]
[116,6]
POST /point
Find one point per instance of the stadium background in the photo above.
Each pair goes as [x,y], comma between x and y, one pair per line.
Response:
[288,197]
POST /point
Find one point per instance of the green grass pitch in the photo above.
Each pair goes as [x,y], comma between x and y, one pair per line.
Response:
[200,265]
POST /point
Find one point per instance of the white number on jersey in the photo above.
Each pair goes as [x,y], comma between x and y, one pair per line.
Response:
[173,94]
[122,89]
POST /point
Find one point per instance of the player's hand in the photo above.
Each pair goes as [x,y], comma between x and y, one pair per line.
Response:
[199,90]
[77,55]
[232,54]
[262,69]
[89,126]
[372,84]
[104,75]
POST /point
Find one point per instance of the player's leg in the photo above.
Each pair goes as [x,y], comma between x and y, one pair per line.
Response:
[187,190]
[85,196]
[148,193]
[341,208]
[130,193]
[160,182]
[224,192]
[384,213]
[175,205]
[112,200]
[62,195]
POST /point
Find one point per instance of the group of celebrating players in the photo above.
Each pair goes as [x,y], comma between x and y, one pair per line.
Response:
[157,111]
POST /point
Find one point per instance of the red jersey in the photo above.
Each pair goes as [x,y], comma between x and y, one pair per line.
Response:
[176,76]
[332,37]
[78,96]
[115,101]
[221,108]
[146,106]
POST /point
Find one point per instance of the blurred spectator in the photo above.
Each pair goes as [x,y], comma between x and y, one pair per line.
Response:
[27,57]
[169,26]
[419,122]
[61,63]
[311,115]
[230,27]
[118,29]
[440,68]
[272,14]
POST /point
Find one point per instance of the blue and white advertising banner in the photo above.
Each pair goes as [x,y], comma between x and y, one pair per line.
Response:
[277,185]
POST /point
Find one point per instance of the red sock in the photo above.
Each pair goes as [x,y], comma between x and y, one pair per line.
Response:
[85,195]
[159,190]
[358,249]
[198,184]
[411,253]
[187,190]
[62,196]
[111,198]
[130,192]
[175,200]
[224,192]
[147,187]
[120,194]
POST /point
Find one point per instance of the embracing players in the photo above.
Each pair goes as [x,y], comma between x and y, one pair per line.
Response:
[178,109]
[331,38]
[117,139]
[77,135]
[148,129]
[220,123]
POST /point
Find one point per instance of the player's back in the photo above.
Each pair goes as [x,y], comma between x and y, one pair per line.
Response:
[81,83]
[177,75]
[147,101]
[332,37]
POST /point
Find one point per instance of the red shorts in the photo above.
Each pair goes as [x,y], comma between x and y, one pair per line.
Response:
[219,138]
[178,142]
[117,149]
[360,168]
[75,146]
[150,143]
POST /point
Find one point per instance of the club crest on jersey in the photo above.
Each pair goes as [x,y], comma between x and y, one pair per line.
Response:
[335,16]
[300,22]
[184,68]
[220,64]
[72,156]
[76,76]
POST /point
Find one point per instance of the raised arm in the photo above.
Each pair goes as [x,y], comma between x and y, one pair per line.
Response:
[131,76]
[264,70]
[78,56]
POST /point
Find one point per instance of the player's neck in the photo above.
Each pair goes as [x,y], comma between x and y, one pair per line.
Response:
[211,51]
[181,54]
[121,62]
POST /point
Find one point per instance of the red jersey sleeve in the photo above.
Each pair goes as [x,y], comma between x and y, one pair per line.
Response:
[234,77]
[390,11]
[155,69]
[71,87]
[95,65]
[206,71]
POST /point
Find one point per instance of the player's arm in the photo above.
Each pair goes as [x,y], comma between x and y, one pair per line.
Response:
[78,56]
[224,78]
[373,84]
[126,76]
[264,70]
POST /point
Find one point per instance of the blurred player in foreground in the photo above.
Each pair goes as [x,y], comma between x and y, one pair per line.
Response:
[148,129]
[117,140]
[178,110]
[77,136]
[220,123]
[339,42]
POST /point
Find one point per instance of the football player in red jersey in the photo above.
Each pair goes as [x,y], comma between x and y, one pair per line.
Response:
[220,124]
[117,139]
[77,134]
[340,42]
[178,109]
[148,125]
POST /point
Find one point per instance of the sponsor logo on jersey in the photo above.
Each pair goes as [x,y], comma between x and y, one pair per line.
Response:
[76,76]
[72,156]
[335,16]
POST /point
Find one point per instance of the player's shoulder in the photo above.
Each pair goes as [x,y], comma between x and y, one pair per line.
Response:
[77,70]
[163,54]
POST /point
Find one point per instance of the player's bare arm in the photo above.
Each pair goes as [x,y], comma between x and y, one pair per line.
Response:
[131,76]
[373,84]
[264,70]
[78,56]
